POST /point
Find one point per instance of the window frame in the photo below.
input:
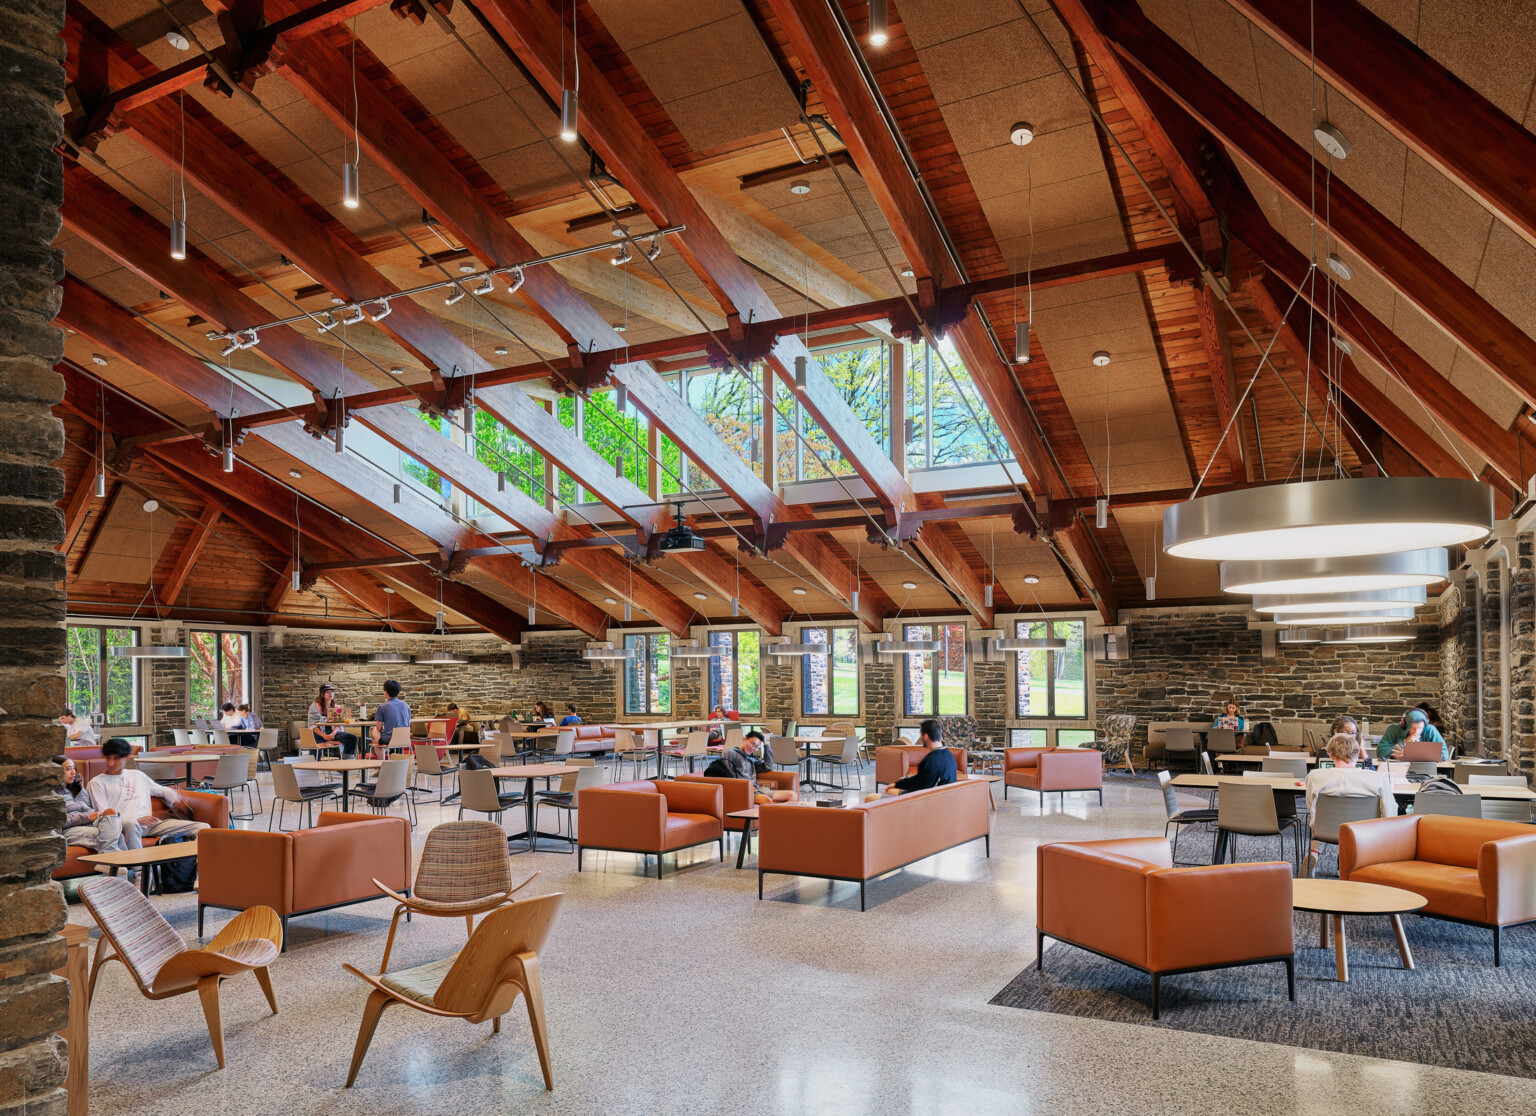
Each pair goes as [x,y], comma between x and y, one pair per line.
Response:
[711,666]
[933,709]
[649,645]
[104,658]
[831,631]
[1021,626]
[247,669]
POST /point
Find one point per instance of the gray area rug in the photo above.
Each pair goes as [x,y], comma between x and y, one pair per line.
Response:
[1455,1009]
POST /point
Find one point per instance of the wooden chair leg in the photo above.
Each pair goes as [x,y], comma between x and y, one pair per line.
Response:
[389,942]
[208,992]
[469,924]
[377,1002]
[496,1025]
[533,992]
[264,979]
[97,964]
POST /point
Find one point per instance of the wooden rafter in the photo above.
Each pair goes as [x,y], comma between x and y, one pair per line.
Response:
[1414,97]
[1412,270]
[202,530]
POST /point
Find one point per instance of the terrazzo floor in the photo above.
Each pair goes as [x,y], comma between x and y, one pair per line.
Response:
[688,995]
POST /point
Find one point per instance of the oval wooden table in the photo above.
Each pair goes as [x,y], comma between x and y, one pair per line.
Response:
[1345,897]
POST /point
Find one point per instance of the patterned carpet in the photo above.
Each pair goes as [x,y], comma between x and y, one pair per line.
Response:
[1455,1009]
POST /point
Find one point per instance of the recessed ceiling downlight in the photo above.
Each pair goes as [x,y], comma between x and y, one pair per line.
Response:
[1330,519]
[1359,573]
[1301,605]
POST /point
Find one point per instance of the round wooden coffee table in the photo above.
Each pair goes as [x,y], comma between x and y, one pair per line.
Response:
[1344,897]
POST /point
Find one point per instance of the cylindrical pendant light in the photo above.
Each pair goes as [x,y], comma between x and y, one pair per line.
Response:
[1330,519]
[1297,604]
[1354,574]
[568,116]
[801,368]
[1021,344]
[350,197]
[227,458]
[879,23]
[101,483]
[178,239]
[298,578]
[1101,512]
[339,434]
[1151,587]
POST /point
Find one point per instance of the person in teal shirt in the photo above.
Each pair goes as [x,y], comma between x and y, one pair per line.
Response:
[1414,726]
[1231,718]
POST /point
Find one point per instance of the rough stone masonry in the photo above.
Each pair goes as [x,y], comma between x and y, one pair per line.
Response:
[33,1003]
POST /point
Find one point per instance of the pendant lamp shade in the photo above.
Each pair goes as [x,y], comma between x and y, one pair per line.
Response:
[1303,635]
[1336,575]
[1373,600]
[1345,616]
[1035,643]
[1330,519]
[1371,633]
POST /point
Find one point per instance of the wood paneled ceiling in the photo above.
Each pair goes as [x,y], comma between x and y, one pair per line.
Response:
[704,113]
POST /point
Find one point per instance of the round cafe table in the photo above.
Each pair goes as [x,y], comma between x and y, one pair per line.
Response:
[1346,897]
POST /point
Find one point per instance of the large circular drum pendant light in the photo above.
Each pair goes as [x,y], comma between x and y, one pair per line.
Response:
[1337,575]
[1330,519]
[1345,616]
[1371,633]
[1298,605]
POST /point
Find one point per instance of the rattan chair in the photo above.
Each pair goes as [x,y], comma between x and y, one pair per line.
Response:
[158,959]
[480,982]
[464,871]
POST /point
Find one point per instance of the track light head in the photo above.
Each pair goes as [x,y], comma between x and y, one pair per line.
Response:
[486,287]
[458,293]
[327,322]
[517,280]
[383,312]
[353,318]
[230,346]
[654,248]
[623,256]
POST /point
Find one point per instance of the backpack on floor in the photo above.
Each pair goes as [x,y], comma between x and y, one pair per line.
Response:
[719,769]
[177,876]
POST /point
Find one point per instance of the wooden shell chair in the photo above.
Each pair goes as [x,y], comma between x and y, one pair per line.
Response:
[480,982]
[160,962]
[464,871]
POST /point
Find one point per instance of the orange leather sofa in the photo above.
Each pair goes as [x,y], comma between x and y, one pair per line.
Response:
[1473,870]
[213,809]
[1124,900]
[650,818]
[736,794]
[1043,770]
[309,870]
[897,761]
[858,843]
[593,738]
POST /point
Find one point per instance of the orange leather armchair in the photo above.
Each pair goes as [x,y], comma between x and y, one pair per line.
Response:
[211,809]
[1473,870]
[736,794]
[650,818]
[1054,769]
[870,839]
[1124,900]
[332,865]
[897,761]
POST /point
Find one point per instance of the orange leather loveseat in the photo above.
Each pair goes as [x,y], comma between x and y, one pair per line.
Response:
[736,794]
[858,843]
[1043,770]
[1124,900]
[1472,870]
[650,818]
[897,761]
[212,809]
[309,870]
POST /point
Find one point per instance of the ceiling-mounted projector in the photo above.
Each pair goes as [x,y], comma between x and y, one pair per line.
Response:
[680,536]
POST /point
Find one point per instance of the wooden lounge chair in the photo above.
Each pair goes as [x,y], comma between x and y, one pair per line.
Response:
[160,962]
[480,982]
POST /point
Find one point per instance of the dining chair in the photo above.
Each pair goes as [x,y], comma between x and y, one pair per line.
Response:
[1179,743]
[1249,811]
[734,737]
[464,871]
[1503,809]
[1333,810]
[182,739]
[232,773]
[695,746]
[220,738]
[1458,805]
[266,747]
[429,765]
[196,738]
[1465,771]
[482,981]
[625,749]
[287,788]
[389,785]
[587,774]
[158,959]
[786,753]
[309,742]
[1176,816]
[1221,741]
[1285,765]
[478,792]
[1254,750]
[844,760]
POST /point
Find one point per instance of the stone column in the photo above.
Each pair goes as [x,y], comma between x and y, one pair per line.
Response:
[33,1003]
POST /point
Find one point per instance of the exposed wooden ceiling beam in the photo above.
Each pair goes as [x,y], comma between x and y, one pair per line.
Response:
[1412,270]
[278,594]
[1414,97]
[1271,296]
[202,530]
[83,498]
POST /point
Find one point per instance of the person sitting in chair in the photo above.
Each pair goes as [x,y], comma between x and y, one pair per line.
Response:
[1412,729]
[571,716]
[127,794]
[937,769]
[84,825]
[78,732]
[748,762]
[1231,717]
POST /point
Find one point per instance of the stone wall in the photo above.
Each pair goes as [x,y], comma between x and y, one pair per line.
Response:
[33,1003]
[489,685]
[1186,662]
[990,694]
[1458,663]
